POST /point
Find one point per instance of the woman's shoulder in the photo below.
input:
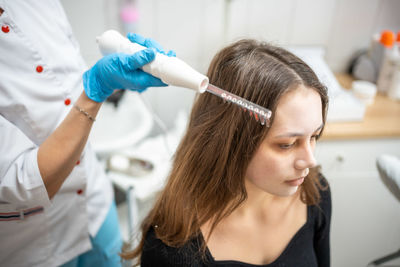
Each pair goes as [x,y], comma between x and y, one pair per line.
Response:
[156,253]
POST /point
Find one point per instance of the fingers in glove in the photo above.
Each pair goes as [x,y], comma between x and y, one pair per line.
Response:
[141,58]
[136,38]
[171,53]
[145,80]
[147,42]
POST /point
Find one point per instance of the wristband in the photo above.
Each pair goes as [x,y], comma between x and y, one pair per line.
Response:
[81,110]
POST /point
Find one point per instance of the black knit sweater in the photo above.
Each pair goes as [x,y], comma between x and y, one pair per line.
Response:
[309,247]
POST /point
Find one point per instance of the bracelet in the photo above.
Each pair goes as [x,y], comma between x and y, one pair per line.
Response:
[81,110]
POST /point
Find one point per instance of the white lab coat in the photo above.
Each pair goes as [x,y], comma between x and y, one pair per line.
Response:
[40,73]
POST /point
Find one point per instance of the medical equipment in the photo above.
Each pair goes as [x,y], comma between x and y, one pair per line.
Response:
[173,71]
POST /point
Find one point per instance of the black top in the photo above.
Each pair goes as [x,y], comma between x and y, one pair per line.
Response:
[309,247]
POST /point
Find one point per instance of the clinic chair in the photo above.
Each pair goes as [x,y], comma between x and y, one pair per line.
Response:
[389,171]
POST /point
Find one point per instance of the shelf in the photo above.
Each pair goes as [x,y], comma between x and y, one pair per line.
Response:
[381,120]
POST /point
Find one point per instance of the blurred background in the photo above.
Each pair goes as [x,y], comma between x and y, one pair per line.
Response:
[340,39]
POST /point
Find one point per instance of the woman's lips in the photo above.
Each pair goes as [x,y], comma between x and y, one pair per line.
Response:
[295,182]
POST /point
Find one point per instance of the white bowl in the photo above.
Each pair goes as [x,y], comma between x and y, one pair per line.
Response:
[364,90]
[122,127]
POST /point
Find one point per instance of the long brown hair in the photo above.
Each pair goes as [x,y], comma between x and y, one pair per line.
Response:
[206,182]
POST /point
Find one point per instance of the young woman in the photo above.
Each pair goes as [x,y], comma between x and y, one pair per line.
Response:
[239,193]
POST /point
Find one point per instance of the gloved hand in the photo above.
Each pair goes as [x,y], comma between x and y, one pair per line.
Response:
[122,71]
[150,43]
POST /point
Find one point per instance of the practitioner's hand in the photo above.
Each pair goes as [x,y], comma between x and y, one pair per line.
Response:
[149,43]
[123,71]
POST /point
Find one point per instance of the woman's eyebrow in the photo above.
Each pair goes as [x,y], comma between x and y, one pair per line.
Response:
[296,134]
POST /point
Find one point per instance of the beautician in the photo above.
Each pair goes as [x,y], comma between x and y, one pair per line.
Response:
[56,203]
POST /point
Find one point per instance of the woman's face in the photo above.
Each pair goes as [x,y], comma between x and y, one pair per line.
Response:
[284,157]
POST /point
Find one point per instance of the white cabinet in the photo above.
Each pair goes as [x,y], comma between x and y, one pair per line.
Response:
[354,158]
[365,215]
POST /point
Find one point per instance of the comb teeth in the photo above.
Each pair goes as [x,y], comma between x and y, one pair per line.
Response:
[260,114]
[261,118]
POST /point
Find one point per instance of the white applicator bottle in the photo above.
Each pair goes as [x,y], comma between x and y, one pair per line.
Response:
[171,70]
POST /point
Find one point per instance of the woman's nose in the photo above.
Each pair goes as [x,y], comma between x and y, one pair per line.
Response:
[306,158]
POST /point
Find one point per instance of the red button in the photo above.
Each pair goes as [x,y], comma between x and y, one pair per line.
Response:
[67,101]
[5,29]
[39,69]
[77,163]
[79,191]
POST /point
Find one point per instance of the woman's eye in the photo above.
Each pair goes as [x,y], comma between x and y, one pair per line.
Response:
[286,146]
[315,137]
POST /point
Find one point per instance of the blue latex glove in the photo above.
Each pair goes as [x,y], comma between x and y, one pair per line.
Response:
[122,71]
[150,43]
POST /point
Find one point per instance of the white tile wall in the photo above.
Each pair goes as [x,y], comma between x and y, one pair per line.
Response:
[268,20]
[312,22]
[387,16]
[351,30]
[190,27]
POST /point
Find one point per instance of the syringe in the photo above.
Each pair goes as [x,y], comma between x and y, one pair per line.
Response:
[173,71]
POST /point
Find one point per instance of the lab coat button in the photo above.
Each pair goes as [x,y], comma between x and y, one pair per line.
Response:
[79,191]
[67,101]
[5,29]
[39,69]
